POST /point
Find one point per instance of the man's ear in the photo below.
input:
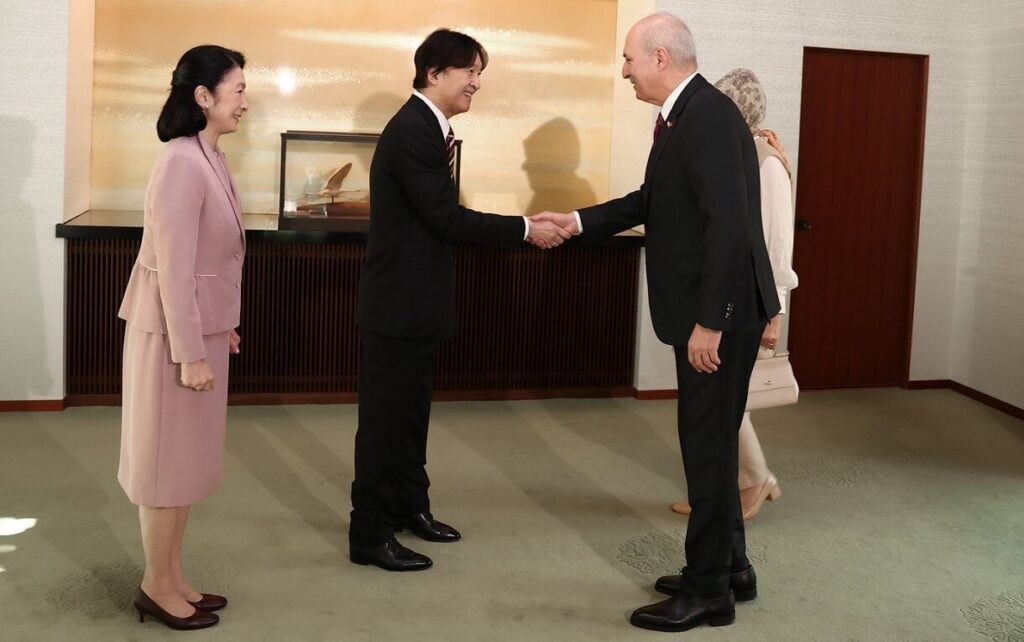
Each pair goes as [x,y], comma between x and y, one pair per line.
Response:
[661,55]
[432,74]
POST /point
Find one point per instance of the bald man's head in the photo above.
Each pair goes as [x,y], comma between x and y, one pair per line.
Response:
[669,32]
[659,53]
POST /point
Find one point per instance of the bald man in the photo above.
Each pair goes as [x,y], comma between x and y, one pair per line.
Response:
[712,293]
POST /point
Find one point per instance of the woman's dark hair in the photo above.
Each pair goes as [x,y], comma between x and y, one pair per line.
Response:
[443,49]
[204,65]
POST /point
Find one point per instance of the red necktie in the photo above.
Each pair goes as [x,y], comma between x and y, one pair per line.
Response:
[658,127]
[450,142]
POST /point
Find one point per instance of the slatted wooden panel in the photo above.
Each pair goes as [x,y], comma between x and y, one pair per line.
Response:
[532,320]
[531,323]
[97,274]
[298,327]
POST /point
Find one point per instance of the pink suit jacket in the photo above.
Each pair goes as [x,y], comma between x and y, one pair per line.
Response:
[187,279]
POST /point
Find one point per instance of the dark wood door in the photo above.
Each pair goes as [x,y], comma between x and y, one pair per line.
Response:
[858,199]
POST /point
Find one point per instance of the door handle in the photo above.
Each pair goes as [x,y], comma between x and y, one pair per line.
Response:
[803,224]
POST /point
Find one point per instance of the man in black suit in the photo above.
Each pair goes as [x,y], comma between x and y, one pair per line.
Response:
[712,292]
[407,299]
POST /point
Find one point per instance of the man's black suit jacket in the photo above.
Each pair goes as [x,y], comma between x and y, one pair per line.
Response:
[407,289]
[701,203]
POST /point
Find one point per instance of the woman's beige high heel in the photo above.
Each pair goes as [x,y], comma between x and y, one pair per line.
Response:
[769,491]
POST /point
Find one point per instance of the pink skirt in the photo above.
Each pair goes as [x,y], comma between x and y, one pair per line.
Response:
[172,437]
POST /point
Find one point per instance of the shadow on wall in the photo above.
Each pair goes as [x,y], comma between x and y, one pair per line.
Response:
[370,117]
[22,320]
[552,158]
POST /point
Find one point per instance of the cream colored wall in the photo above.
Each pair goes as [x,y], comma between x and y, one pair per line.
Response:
[988,345]
[78,148]
[33,93]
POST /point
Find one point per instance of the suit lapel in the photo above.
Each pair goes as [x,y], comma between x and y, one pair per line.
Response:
[237,206]
[430,121]
[230,189]
[670,125]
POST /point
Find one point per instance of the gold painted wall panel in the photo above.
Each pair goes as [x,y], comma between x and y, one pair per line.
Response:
[537,137]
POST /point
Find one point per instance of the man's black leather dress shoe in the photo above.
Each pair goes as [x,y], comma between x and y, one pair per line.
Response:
[684,612]
[743,584]
[390,556]
[425,526]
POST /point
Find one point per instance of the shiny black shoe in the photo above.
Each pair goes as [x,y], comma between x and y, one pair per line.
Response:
[390,556]
[684,612]
[743,584]
[424,525]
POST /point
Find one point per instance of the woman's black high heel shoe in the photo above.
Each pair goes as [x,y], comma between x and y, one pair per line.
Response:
[198,620]
[210,602]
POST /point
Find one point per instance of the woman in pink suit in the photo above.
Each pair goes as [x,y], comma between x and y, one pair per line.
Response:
[182,307]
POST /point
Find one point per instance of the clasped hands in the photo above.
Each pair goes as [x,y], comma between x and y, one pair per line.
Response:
[551,229]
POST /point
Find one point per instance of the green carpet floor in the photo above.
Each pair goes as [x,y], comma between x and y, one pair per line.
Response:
[902,518]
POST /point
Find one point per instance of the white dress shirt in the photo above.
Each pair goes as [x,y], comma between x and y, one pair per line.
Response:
[446,127]
[670,102]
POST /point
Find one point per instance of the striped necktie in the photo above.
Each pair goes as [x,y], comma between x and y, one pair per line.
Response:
[450,143]
[658,126]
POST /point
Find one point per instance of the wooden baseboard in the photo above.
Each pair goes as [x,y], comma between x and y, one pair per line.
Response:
[301,398]
[75,401]
[929,384]
[648,395]
[42,405]
[988,400]
[967,391]
[292,398]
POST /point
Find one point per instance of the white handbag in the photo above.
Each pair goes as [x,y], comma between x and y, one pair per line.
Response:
[772,383]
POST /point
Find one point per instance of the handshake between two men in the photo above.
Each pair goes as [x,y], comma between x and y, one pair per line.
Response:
[551,229]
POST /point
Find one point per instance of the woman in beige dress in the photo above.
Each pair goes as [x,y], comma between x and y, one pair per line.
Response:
[182,307]
[756,481]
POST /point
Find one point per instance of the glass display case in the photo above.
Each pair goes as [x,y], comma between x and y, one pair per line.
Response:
[325,180]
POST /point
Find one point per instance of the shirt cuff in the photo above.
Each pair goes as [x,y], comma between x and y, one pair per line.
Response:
[782,299]
[526,234]
[579,222]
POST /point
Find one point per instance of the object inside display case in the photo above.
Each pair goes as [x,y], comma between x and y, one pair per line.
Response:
[342,202]
[325,179]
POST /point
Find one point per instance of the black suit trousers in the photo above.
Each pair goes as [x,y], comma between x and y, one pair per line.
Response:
[396,380]
[710,411]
